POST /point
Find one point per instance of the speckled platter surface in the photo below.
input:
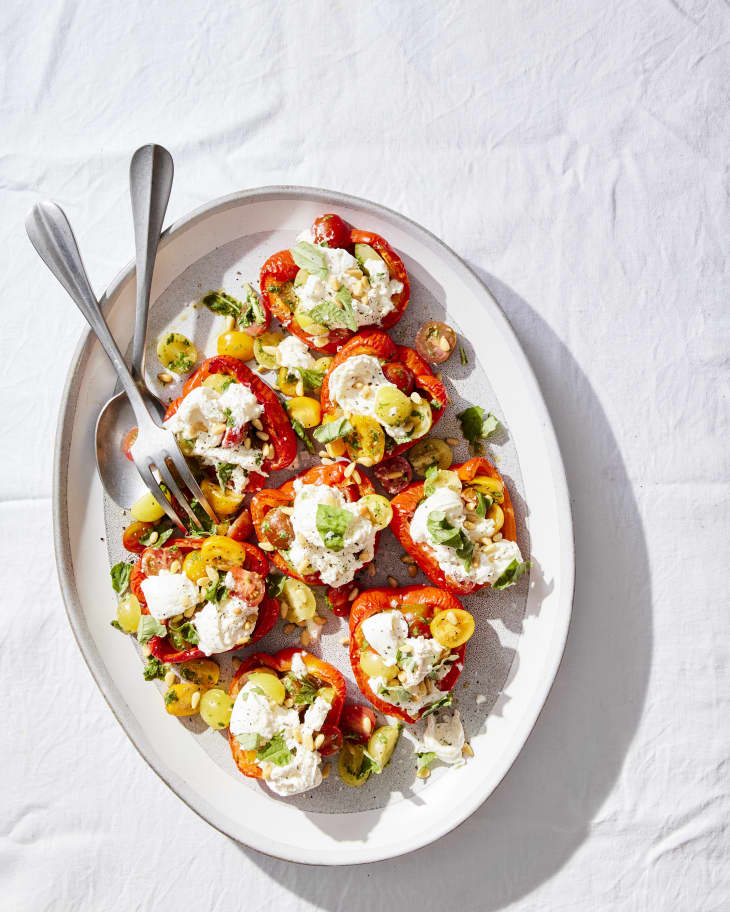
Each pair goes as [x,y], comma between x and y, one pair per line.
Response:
[520,632]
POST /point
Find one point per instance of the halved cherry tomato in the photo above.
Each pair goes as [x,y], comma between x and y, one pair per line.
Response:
[223,553]
[249,586]
[156,559]
[128,442]
[402,376]
[133,533]
[394,474]
[452,627]
[331,231]
[357,722]
[339,599]
[278,529]
[242,527]
[435,341]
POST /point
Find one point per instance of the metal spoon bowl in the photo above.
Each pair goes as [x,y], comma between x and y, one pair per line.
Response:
[150,180]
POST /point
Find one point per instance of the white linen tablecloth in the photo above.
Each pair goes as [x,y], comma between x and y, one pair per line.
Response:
[575,152]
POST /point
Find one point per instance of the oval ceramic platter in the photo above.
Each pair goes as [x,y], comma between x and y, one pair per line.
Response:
[511,660]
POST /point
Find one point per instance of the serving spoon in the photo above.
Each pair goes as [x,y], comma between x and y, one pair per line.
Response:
[150,180]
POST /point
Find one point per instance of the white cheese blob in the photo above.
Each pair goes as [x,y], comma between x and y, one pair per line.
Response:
[203,416]
[308,549]
[420,654]
[292,352]
[371,297]
[443,736]
[485,567]
[223,625]
[168,594]
[298,667]
[255,713]
[385,632]
[354,385]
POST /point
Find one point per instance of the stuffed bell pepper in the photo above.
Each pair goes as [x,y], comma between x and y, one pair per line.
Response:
[322,526]
[285,718]
[334,281]
[233,424]
[407,648]
[201,596]
[378,399]
[459,526]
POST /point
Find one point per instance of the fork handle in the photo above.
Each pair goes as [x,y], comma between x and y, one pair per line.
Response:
[51,235]
[150,180]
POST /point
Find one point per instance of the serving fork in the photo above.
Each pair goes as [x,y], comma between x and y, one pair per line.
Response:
[155,447]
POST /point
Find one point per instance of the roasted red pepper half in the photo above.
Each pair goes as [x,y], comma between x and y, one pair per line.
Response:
[280,662]
[280,270]
[419,604]
[274,418]
[420,377]
[404,506]
[264,502]
[162,559]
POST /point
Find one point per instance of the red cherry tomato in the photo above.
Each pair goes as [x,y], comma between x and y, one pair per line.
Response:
[249,586]
[435,341]
[357,722]
[394,474]
[156,559]
[278,529]
[128,442]
[133,533]
[332,740]
[331,230]
[242,526]
[402,376]
[339,599]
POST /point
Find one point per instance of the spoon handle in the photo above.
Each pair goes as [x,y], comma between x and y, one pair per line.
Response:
[150,180]
[51,235]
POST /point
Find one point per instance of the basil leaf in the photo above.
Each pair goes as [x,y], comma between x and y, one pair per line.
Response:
[333,430]
[223,472]
[154,669]
[309,257]
[303,690]
[484,504]
[443,533]
[332,523]
[511,574]
[396,693]
[207,526]
[116,625]
[312,379]
[245,314]
[120,574]
[476,424]
[275,584]
[216,591]
[248,740]
[439,704]
[275,751]
[299,430]
[149,627]
[328,313]
[369,765]
[190,633]
[171,697]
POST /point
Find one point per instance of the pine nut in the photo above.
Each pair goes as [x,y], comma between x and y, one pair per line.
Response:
[318,741]
[257,424]
[170,678]
[319,621]
[165,378]
[467,750]
[353,594]
[283,608]
[266,546]
[305,638]
[416,397]
[300,388]
[288,510]
[326,770]
[322,454]
[326,461]
[392,582]
[356,478]
[289,628]
[453,441]
[153,537]
[195,699]
[371,570]
[423,773]
[407,559]
[236,662]
[412,571]
[262,435]
[344,641]
[212,574]
[497,537]
[247,443]
[307,741]
[175,567]
[350,469]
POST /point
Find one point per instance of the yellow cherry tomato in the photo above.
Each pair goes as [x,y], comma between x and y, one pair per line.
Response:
[392,406]
[194,566]
[382,744]
[305,410]
[323,364]
[204,672]
[179,699]
[378,508]
[223,553]
[264,349]
[236,344]
[176,352]
[420,421]
[129,613]
[496,514]
[218,382]
[374,667]
[270,684]
[146,509]
[366,444]
[350,764]
[305,322]
[452,627]
[300,602]
[216,708]
[284,296]
[290,383]
[487,485]
[225,502]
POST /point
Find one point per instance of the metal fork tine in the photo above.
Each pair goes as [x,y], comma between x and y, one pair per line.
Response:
[183,470]
[169,480]
[149,479]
